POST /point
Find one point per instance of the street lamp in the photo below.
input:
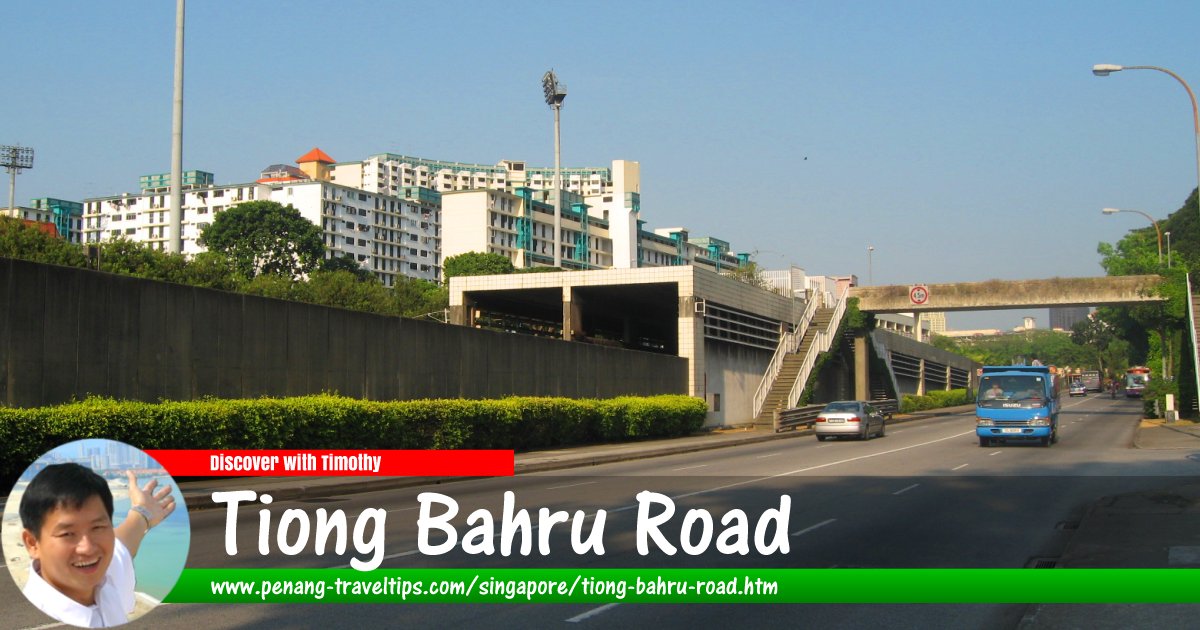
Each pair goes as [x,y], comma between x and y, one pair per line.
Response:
[870,253]
[175,229]
[556,93]
[1148,218]
[1105,69]
[1168,235]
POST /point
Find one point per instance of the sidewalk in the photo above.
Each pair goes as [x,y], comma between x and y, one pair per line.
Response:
[1112,534]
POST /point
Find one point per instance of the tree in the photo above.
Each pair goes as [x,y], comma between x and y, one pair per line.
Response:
[414,297]
[27,242]
[131,258]
[346,263]
[343,289]
[476,264]
[750,273]
[264,237]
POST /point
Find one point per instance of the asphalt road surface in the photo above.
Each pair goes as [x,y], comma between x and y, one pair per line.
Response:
[926,495]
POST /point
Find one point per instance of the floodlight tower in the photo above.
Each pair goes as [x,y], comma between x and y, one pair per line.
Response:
[15,159]
[556,93]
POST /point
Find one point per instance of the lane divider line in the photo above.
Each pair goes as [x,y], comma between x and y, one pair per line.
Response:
[903,490]
[592,613]
[571,485]
[809,529]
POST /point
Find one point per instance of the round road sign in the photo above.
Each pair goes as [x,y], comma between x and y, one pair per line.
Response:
[919,294]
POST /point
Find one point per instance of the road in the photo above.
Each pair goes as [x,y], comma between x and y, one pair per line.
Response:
[926,495]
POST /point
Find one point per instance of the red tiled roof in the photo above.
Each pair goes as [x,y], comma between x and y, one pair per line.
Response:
[316,155]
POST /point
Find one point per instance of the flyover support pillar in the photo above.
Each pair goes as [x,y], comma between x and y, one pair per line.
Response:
[572,325]
[862,368]
[921,378]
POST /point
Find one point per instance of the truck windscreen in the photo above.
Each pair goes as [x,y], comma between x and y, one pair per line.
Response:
[1012,391]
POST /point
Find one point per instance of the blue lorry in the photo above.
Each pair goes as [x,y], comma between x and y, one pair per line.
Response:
[1017,403]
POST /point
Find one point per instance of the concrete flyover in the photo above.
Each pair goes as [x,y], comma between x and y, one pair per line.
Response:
[1004,294]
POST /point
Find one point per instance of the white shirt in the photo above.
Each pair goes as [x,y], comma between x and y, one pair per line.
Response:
[114,596]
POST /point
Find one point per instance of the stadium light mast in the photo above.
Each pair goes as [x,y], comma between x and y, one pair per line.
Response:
[556,93]
[15,159]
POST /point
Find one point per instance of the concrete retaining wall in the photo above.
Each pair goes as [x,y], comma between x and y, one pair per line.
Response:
[67,333]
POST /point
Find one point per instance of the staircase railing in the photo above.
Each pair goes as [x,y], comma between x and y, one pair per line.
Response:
[788,343]
[821,344]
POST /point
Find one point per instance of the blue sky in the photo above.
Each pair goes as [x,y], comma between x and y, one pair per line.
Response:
[964,140]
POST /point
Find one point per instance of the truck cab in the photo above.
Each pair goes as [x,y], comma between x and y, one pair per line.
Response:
[1017,403]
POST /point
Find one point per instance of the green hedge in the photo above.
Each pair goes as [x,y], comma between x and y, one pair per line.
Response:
[935,400]
[334,422]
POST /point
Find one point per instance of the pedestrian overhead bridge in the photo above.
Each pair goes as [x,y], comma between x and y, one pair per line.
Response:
[994,295]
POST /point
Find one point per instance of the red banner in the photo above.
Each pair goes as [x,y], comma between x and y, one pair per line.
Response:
[323,463]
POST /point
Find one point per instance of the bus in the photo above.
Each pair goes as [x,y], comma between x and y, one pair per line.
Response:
[1135,381]
[1091,380]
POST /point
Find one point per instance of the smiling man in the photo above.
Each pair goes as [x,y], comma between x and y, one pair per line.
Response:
[82,571]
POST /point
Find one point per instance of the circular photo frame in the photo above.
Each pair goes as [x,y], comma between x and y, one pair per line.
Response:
[104,552]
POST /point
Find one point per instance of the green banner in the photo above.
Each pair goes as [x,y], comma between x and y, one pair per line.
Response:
[679,586]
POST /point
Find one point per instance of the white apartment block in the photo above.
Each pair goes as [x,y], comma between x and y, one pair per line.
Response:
[600,224]
[388,235]
[401,216]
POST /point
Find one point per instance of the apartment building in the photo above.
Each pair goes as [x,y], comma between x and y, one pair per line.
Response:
[392,236]
[401,216]
[65,216]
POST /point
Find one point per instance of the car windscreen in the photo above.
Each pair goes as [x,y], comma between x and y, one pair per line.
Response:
[1015,390]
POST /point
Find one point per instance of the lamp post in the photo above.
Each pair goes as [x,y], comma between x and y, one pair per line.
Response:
[1105,69]
[870,255]
[556,93]
[175,229]
[1148,218]
[1168,235]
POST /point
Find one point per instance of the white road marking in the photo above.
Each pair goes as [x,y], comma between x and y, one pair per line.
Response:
[993,453]
[570,485]
[626,508]
[591,613]
[690,467]
[903,490]
[960,467]
[809,529]
[768,455]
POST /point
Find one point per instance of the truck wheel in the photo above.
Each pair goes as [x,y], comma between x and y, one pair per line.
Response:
[1045,441]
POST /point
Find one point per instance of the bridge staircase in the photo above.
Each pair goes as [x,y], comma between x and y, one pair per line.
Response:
[794,360]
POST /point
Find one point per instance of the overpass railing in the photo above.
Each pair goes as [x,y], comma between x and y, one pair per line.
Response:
[882,352]
[821,344]
[788,343]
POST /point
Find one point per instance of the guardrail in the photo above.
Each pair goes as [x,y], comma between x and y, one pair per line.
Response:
[797,417]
